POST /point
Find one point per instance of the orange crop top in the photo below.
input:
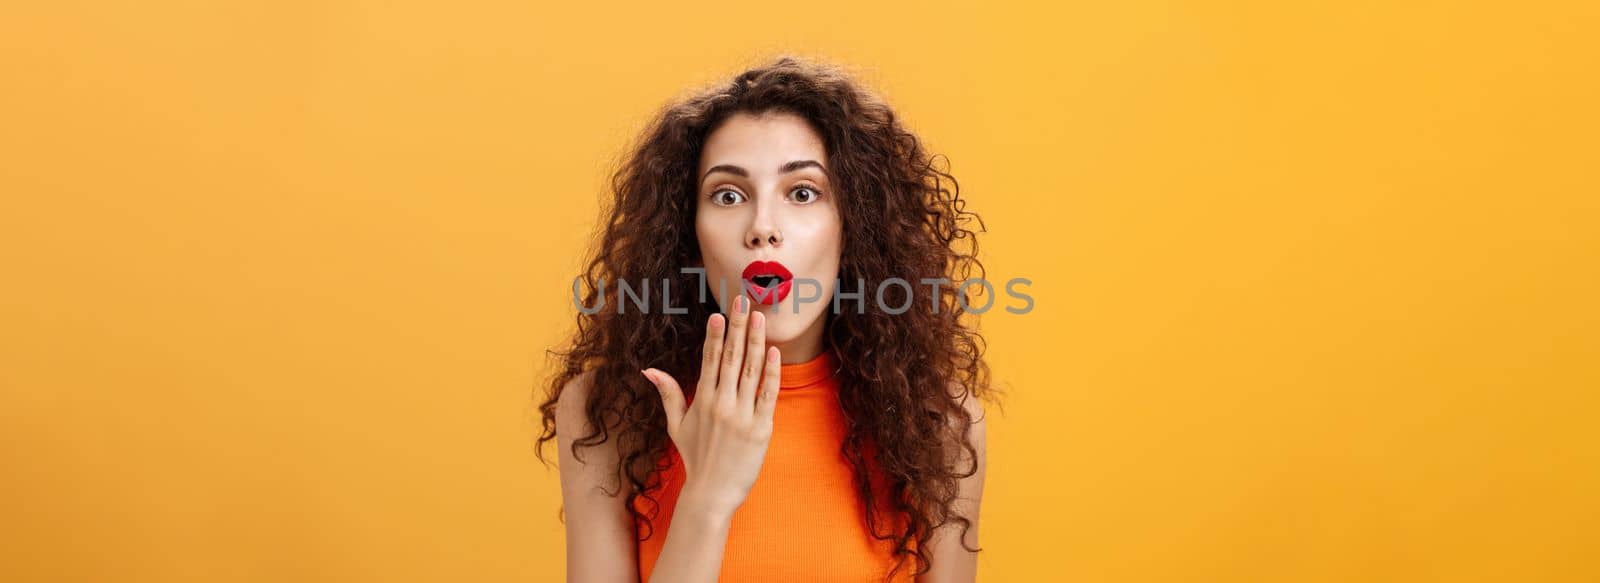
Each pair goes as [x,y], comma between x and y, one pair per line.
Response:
[803,520]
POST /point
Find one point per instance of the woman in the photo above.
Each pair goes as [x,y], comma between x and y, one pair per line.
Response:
[828,430]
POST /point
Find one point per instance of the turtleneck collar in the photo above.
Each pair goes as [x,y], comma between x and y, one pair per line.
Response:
[809,373]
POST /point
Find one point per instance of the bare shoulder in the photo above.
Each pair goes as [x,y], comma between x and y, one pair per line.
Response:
[974,407]
[572,424]
[571,405]
[600,538]
[976,434]
[952,545]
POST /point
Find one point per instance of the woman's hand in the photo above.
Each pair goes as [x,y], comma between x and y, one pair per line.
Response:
[722,437]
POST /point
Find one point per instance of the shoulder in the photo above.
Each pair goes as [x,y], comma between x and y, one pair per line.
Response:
[954,543]
[586,463]
[573,424]
[575,393]
[975,432]
[571,419]
[599,527]
[976,412]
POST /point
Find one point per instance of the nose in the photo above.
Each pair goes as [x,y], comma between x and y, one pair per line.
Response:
[763,230]
[770,238]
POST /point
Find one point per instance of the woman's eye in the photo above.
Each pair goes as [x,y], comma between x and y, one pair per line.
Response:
[811,194]
[726,197]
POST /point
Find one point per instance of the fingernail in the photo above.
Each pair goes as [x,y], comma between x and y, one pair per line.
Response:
[647,376]
[744,305]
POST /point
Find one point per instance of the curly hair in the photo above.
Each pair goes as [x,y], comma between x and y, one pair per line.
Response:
[904,377]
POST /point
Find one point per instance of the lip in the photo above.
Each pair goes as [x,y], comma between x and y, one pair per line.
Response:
[764,295]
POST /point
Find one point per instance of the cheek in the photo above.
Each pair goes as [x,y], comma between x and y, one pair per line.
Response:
[824,238]
[717,248]
[713,241]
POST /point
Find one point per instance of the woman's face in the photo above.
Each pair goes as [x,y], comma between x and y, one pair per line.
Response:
[763,197]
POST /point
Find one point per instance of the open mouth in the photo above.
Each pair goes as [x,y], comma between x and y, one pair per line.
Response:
[767,282]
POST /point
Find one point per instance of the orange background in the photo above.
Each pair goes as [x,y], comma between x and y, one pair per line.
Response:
[1315,284]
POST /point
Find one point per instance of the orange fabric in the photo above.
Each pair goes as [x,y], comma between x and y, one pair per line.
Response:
[803,519]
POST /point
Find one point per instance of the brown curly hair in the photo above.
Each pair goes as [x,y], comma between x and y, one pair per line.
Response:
[904,377]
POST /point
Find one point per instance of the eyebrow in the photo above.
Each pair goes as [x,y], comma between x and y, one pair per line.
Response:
[785,169]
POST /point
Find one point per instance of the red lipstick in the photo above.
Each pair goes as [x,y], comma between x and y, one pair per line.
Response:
[767,282]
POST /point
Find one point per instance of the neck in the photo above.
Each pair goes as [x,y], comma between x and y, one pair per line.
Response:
[804,347]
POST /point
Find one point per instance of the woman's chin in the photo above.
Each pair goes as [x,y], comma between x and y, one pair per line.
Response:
[780,336]
[783,331]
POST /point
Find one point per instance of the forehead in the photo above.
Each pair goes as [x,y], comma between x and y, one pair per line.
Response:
[762,143]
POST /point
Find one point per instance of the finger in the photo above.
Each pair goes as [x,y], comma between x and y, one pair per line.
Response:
[733,351]
[750,379]
[711,356]
[767,399]
[671,398]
